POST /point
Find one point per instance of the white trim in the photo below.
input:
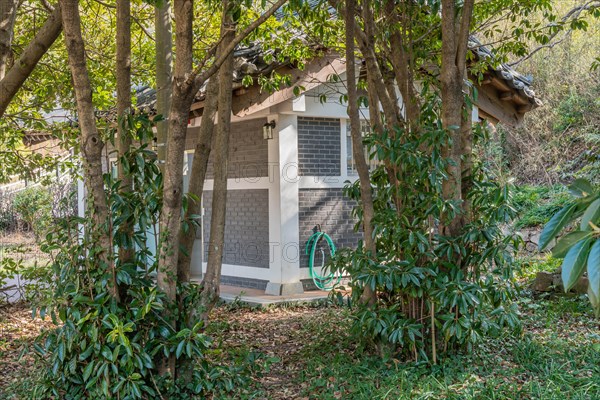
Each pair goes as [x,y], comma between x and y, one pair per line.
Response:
[289,202]
[475,113]
[242,271]
[343,148]
[274,200]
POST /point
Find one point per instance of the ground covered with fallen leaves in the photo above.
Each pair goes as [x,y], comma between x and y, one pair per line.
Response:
[307,353]
[17,332]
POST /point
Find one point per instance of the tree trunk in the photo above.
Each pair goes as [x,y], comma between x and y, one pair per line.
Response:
[8,13]
[455,35]
[212,279]
[186,84]
[198,176]
[170,220]
[90,142]
[22,68]
[164,67]
[123,72]
[402,61]
[358,150]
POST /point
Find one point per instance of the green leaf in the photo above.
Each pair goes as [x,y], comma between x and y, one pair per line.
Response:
[574,263]
[86,353]
[555,225]
[593,268]
[591,214]
[581,188]
[107,353]
[567,241]
[61,351]
[179,349]
[87,371]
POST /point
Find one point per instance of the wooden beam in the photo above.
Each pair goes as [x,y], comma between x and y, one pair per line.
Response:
[524,108]
[316,73]
[504,111]
[500,84]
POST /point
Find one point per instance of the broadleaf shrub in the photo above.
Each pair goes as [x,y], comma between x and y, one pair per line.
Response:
[102,348]
[434,293]
[33,207]
[578,244]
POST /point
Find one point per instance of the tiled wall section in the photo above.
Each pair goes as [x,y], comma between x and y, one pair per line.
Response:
[246,227]
[318,146]
[248,151]
[244,282]
[331,209]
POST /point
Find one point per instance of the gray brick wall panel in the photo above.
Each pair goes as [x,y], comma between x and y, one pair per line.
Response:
[318,146]
[248,151]
[244,282]
[333,211]
[246,227]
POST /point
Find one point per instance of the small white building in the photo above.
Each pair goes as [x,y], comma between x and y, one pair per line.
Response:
[282,189]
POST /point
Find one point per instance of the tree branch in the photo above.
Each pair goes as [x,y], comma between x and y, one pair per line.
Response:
[22,68]
[197,78]
[462,44]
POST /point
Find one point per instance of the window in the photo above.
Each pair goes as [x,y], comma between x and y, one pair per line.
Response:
[365,129]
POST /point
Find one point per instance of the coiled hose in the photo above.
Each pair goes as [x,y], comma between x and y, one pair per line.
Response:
[323,282]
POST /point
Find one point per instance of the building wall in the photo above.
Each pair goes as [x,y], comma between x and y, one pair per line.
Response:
[319,149]
[297,185]
[246,227]
[333,211]
[248,151]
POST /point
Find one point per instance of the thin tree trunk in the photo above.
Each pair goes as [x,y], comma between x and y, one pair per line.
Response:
[401,63]
[466,130]
[197,177]
[8,13]
[164,71]
[123,73]
[170,220]
[22,68]
[186,84]
[90,142]
[358,151]
[212,279]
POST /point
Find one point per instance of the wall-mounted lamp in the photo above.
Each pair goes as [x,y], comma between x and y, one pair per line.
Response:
[268,130]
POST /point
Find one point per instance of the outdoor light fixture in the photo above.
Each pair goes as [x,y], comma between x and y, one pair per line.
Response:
[268,130]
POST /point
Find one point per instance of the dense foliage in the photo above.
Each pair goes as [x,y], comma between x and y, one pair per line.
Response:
[434,292]
[102,348]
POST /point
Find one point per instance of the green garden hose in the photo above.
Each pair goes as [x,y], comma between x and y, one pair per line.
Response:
[323,282]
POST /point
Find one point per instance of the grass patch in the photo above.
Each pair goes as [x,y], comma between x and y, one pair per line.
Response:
[556,358]
[537,204]
[527,267]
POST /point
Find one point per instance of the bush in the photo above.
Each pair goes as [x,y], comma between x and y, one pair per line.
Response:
[103,348]
[435,293]
[33,207]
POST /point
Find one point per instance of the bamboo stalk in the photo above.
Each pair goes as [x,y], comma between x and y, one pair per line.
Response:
[433,343]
